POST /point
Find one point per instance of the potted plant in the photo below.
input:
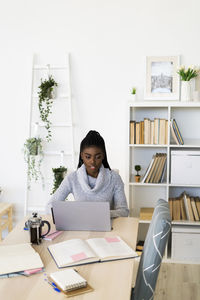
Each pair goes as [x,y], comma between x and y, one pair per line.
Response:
[133,93]
[186,74]
[137,176]
[33,156]
[59,174]
[46,95]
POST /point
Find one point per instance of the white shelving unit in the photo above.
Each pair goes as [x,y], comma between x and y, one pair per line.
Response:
[60,150]
[187,116]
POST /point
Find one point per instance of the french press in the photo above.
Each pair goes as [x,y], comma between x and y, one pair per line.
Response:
[35,224]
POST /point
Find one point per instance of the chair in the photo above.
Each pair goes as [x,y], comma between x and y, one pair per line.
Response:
[151,258]
[5,217]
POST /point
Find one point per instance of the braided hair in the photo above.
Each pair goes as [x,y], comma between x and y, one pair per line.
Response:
[93,138]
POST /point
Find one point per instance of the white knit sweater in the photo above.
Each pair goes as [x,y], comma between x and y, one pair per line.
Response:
[107,187]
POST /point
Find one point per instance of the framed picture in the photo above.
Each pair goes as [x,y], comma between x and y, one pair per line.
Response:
[162,80]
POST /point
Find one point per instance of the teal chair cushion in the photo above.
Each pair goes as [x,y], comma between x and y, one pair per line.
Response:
[153,251]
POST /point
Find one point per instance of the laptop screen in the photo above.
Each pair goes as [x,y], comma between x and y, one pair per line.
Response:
[76,215]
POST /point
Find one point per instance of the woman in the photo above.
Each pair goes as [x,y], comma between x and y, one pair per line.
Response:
[94,180]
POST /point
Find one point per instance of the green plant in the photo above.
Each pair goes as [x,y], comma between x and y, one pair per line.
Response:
[45,102]
[59,174]
[33,156]
[133,91]
[137,169]
[188,74]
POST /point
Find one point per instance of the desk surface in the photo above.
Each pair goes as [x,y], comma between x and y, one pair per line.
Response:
[110,280]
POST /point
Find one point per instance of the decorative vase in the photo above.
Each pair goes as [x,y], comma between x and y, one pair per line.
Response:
[185,91]
[133,97]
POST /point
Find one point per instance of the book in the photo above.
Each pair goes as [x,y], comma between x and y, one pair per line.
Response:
[190,211]
[163,177]
[52,235]
[137,132]
[152,132]
[170,207]
[194,209]
[178,132]
[183,211]
[186,205]
[142,133]
[162,132]
[176,207]
[68,279]
[148,169]
[166,132]
[157,178]
[151,169]
[77,251]
[156,130]
[197,202]
[19,257]
[173,134]
[156,166]
[132,132]
[147,131]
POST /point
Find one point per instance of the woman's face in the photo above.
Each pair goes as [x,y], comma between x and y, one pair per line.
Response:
[92,158]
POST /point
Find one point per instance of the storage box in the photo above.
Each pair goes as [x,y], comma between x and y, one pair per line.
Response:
[185,166]
[186,243]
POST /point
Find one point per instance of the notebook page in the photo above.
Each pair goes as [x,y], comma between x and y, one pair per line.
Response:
[15,258]
[68,279]
[71,251]
[111,247]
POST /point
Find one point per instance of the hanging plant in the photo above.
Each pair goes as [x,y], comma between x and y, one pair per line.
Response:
[33,156]
[59,174]
[46,95]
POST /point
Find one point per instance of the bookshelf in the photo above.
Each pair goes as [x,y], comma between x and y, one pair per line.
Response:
[187,116]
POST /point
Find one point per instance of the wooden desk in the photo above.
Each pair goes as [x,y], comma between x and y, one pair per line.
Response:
[110,280]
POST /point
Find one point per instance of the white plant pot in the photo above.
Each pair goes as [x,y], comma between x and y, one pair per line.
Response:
[185,91]
[133,97]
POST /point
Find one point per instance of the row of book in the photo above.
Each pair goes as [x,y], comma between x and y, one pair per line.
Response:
[185,207]
[176,134]
[149,131]
[156,171]
[154,132]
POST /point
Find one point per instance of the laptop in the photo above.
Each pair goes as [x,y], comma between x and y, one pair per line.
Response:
[76,215]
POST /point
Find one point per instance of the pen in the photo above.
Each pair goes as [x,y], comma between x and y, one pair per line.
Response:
[53,285]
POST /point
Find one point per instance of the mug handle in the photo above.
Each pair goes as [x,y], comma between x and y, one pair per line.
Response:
[49,227]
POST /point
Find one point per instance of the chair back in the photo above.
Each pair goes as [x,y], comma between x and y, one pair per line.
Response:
[154,247]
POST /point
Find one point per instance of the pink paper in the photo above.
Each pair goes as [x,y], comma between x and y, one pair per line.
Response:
[32,271]
[78,256]
[112,239]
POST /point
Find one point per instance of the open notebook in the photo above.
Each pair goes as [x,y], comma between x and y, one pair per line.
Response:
[19,257]
[76,251]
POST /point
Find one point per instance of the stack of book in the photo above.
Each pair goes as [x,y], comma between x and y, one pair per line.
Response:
[156,171]
[185,207]
[176,134]
[149,131]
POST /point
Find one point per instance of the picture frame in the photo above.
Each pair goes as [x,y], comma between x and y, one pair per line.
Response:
[162,79]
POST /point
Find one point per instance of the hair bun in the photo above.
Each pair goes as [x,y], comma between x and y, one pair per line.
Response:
[93,132]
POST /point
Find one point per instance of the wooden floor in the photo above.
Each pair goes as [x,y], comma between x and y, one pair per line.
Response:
[178,282]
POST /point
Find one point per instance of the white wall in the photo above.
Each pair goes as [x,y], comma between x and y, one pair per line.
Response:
[108,41]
